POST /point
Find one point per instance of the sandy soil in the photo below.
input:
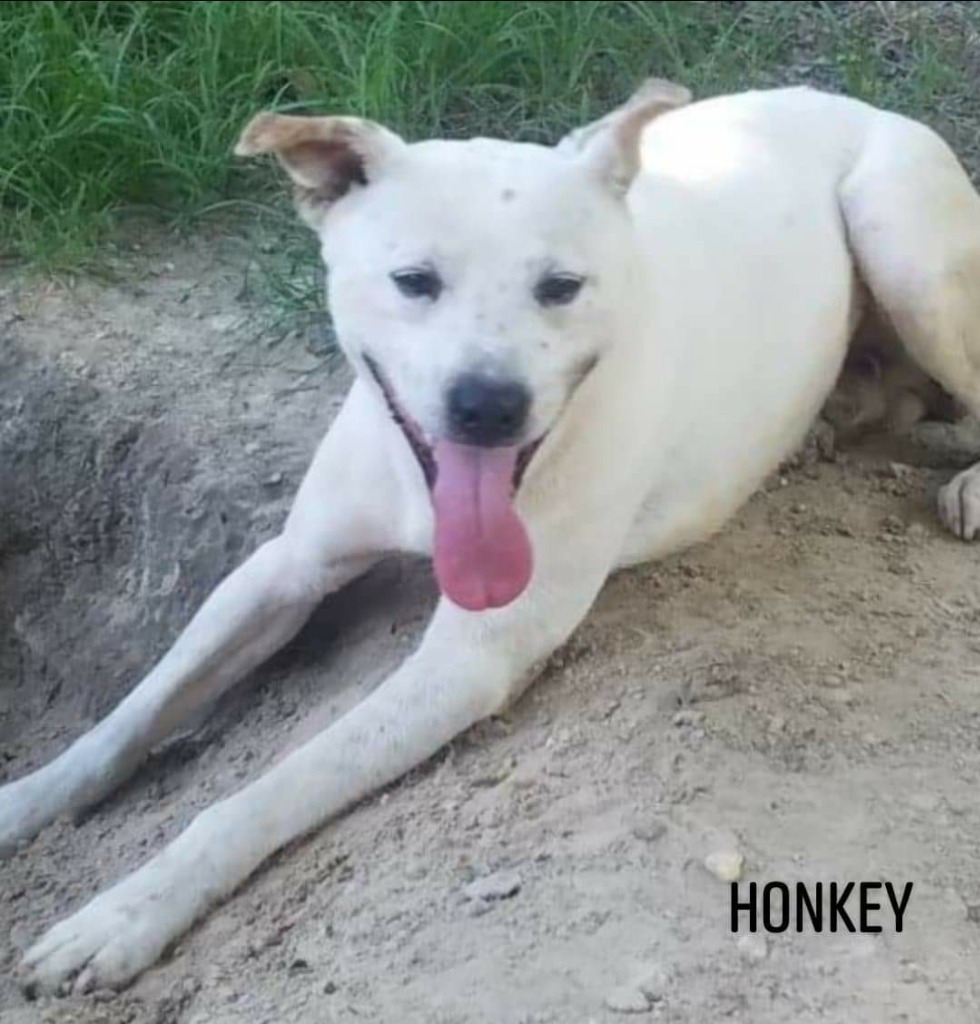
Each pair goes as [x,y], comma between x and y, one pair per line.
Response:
[804,689]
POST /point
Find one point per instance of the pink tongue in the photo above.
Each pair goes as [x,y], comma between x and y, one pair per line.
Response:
[482,551]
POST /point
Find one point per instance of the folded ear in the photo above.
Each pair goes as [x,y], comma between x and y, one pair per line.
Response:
[611,145]
[324,156]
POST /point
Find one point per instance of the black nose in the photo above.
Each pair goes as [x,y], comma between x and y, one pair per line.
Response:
[486,411]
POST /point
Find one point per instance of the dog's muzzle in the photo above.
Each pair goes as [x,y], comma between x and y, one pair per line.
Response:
[482,551]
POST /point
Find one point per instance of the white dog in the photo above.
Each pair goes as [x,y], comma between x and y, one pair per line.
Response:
[568,360]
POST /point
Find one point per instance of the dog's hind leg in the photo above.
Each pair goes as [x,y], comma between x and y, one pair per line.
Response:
[340,520]
[913,224]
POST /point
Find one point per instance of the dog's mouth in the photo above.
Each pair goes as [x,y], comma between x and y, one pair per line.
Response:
[482,551]
[424,450]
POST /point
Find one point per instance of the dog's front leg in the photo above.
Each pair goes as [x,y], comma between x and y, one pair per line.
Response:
[468,666]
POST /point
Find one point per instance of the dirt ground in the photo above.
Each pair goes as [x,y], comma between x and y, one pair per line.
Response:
[804,689]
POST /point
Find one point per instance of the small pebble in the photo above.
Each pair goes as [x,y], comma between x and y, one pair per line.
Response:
[654,984]
[913,974]
[725,865]
[753,948]
[501,886]
[627,1000]
[650,832]
[688,718]
[893,525]
[223,323]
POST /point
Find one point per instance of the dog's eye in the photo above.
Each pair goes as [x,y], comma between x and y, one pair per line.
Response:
[418,283]
[558,289]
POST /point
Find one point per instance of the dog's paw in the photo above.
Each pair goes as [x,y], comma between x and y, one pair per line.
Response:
[111,940]
[959,504]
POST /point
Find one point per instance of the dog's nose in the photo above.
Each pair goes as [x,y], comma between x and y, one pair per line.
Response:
[486,411]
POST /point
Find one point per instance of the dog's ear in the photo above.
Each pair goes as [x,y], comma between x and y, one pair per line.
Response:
[324,156]
[611,145]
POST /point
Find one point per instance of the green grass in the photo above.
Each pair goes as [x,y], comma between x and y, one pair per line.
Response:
[113,107]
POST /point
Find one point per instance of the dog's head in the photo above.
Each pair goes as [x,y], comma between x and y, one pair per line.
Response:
[473,285]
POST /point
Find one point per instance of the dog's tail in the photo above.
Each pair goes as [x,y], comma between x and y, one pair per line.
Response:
[913,225]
